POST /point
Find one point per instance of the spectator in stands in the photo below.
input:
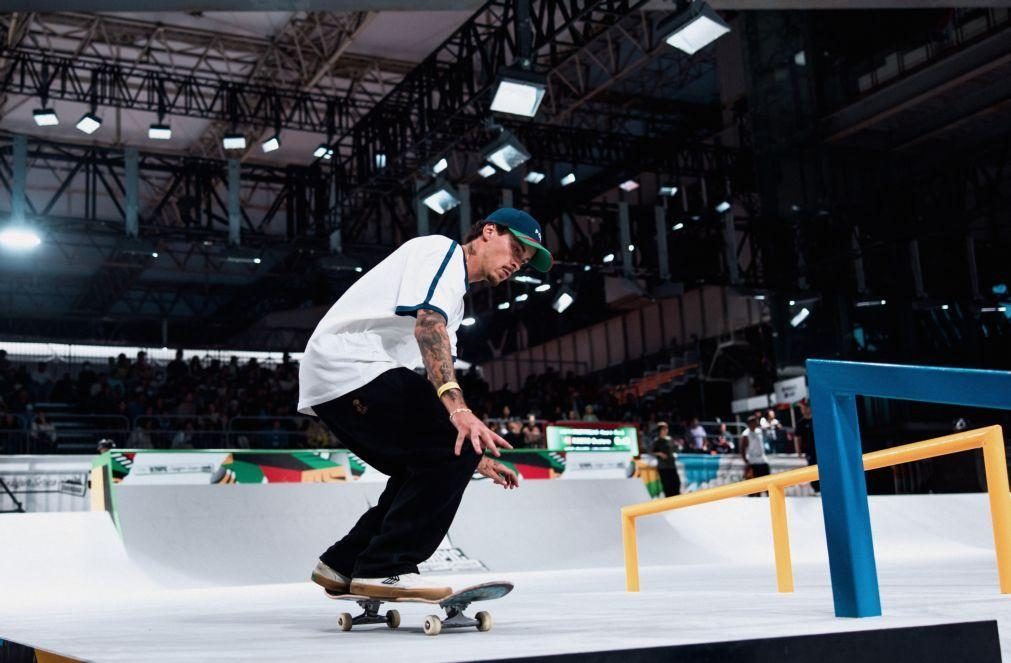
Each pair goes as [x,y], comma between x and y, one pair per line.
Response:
[64,390]
[188,406]
[697,433]
[11,433]
[803,438]
[176,370]
[724,442]
[514,433]
[772,430]
[533,437]
[753,451]
[40,385]
[42,434]
[318,436]
[140,436]
[588,414]
[184,438]
[662,446]
[277,437]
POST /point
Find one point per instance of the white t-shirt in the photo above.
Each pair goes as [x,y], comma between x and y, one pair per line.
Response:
[371,327]
[755,453]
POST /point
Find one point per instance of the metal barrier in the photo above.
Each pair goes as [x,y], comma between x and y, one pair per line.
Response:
[990,439]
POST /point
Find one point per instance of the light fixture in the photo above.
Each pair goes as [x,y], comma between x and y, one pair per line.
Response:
[568,179]
[631,248]
[154,254]
[723,207]
[323,151]
[563,300]
[800,58]
[534,177]
[506,152]
[19,238]
[468,321]
[760,298]
[89,123]
[359,270]
[629,185]
[380,160]
[993,309]
[586,268]
[694,29]
[159,132]
[668,190]
[544,287]
[45,117]
[271,144]
[609,258]
[523,278]
[439,197]
[522,298]
[233,141]
[801,316]
[518,93]
[944,307]
[793,302]
[440,166]
[678,226]
[867,303]
[503,306]
[486,170]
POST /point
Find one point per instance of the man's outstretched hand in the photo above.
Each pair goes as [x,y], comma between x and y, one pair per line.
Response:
[481,437]
[498,472]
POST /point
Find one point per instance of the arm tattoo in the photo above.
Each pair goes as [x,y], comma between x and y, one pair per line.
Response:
[433,339]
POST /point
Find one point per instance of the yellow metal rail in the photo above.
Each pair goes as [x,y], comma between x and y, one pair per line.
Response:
[990,439]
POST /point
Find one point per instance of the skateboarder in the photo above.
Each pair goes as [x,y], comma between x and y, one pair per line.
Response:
[357,376]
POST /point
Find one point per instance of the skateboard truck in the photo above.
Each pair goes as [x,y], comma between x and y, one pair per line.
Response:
[369,616]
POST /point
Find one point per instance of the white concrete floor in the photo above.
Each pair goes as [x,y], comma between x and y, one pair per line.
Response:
[548,612]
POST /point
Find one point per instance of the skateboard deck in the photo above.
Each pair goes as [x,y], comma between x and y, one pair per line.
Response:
[455,604]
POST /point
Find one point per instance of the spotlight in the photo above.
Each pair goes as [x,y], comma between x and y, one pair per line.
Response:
[506,152]
[256,261]
[544,287]
[440,197]
[233,142]
[568,179]
[468,321]
[800,58]
[868,303]
[522,298]
[519,93]
[159,132]
[759,298]
[631,248]
[523,278]
[19,238]
[694,29]
[323,151]
[629,185]
[793,302]
[359,270]
[609,258]
[45,117]
[668,190]
[678,226]
[271,144]
[586,268]
[723,207]
[440,166]
[534,177]
[503,306]
[563,300]
[89,123]
[154,254]
[944,307]
[993,309]
[800,317]
[380,160]
[486,171]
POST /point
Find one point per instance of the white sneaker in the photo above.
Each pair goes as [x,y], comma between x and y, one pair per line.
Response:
[406,586]
[331,580]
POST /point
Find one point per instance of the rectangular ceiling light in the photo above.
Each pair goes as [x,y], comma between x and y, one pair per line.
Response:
[440,166]
[45,117]
[668,190]
[568,179]
[506,153]
[89,123]
[629,185]
[320,151]
[563,301]
[159,132]
[518,95]
[271,144]
[699,28]
[440,199]
[486,170]
[233,142]
[380,160]
[723,207]
[534,177]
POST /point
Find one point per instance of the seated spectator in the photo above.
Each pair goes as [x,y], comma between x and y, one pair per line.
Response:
[42,434]
[140,436]
[184,438]
[514,434]
[533,437]
[588,414]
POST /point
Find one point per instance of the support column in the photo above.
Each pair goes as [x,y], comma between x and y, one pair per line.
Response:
[131,160]
[234,216]
[18,201]
[465,214]
[625,230]
[420,210]
[663,260]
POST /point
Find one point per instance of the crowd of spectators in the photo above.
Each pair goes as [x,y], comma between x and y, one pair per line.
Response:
[193,404]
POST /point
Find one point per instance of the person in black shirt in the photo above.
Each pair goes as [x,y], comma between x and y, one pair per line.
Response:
[665,451]
[804,434]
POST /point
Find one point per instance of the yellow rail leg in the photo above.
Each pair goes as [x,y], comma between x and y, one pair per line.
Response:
[781,539]
[1000,503]
[631,553]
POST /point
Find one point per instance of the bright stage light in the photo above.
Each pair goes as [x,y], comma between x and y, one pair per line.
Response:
[440,198]
[271,144]
[468,322]
[486,170]
[800,317]
[519,93]
[695,29]
[19,238]
[89,123]
[535,177]
[233,142]
[45,117]
[506,152]
[629,185]
[159,132]
[568,179]
[723,207]
[563,301]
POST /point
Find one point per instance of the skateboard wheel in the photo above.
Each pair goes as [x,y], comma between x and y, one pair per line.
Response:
[392,618]
[344,621]
[483,621]
[433,625]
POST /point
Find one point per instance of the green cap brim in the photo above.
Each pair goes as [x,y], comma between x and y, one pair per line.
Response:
[542,259]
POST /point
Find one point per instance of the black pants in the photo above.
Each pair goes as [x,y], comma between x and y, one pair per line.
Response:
[670,480]
[398,425]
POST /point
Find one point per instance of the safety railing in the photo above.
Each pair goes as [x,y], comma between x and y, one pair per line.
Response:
[990,439]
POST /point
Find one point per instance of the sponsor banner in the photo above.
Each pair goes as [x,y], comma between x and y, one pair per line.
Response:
[699,472]
[791,391]
[597,465]
[226,467]
[593,436]
[44,483]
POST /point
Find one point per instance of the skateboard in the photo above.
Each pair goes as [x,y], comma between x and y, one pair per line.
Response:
[455,604]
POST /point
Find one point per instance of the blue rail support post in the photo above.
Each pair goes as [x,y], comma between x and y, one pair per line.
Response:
[834,386]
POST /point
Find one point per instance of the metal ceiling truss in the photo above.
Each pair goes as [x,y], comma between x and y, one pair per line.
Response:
[446,96]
